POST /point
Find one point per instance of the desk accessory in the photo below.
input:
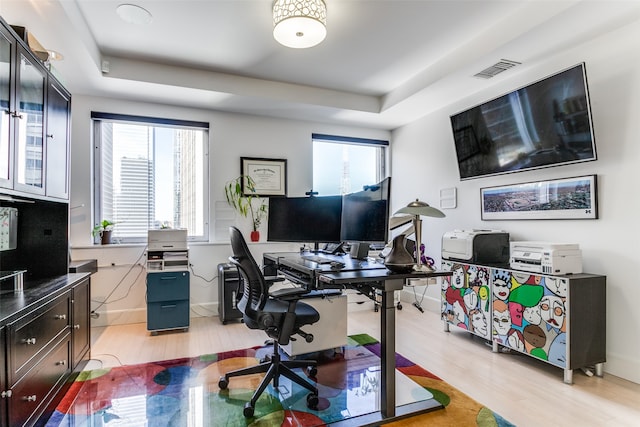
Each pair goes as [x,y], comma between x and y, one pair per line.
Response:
[418,209]
[399,260]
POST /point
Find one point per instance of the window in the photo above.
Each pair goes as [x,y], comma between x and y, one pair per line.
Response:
[151,173]
[344,165]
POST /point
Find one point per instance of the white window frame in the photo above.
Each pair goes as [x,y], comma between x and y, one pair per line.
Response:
[381,160]
[98,118]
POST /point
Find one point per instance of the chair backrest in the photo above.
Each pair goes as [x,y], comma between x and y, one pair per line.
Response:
[255,291]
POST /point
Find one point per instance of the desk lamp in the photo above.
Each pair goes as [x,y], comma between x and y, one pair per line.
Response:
[418,209]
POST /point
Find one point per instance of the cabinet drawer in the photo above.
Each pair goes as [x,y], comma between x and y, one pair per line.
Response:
[31,333]
[167,286]
[168,315]
[38,385]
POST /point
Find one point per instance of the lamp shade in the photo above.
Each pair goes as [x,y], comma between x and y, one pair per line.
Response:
[421,209]
[299,24]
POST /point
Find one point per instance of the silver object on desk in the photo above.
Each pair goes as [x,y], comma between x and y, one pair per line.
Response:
[418,209]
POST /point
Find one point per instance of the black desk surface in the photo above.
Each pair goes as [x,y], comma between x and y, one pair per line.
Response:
[354,270]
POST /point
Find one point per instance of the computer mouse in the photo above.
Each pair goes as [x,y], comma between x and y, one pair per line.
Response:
[335,265]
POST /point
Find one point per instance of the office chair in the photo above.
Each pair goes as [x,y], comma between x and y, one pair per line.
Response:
[280,315]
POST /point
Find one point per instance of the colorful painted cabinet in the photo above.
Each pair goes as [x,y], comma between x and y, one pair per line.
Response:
[558,319]
[466,298]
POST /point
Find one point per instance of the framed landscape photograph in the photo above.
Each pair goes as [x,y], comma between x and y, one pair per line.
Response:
[567,198]
[268,175]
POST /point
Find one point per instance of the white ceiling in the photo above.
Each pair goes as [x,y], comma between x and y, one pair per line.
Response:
[382,65]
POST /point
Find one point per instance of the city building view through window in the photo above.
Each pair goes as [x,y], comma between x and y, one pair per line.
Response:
[342,167]
[151,177]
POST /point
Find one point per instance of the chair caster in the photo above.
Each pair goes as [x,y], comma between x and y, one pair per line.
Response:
[312,401]
[223,383]
[248,410]
[399,306]
[312,371]
[266,359]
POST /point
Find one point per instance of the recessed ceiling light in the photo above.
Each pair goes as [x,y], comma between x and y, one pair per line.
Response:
[133,14]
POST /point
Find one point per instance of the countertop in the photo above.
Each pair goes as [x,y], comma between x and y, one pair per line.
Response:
[36,293]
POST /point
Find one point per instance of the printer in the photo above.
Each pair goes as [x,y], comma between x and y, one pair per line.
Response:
[546,258]
[476,246]
[167,239]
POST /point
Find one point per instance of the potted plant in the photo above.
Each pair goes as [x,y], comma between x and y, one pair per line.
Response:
[244,203]
[104,230]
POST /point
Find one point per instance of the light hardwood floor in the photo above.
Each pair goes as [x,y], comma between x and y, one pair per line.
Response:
[524,391]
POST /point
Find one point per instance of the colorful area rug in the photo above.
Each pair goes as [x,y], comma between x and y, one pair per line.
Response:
[184,392]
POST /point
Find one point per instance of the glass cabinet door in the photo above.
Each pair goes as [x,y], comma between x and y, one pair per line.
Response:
[6,55]
[30,95]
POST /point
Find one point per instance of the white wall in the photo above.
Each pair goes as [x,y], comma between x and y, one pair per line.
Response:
[609,244]
[121,279]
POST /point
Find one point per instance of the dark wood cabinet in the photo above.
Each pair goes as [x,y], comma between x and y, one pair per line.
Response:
[34,332]
[5,393]
[57,141]
[7,83]
[81,323]
[28,119]
[45,343]
[35,123]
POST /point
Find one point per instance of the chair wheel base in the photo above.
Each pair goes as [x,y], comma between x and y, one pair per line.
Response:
[223,383]
[312,371]
[312,401]
[248,410]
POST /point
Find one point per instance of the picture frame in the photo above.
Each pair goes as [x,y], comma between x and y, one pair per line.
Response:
[565,198]
[269,176]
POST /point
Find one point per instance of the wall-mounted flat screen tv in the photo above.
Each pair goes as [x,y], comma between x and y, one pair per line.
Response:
[546,123]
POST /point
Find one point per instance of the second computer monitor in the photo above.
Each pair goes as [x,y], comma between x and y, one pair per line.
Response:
[365,214]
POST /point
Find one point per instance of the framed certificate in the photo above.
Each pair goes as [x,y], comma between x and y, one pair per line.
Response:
[269,176]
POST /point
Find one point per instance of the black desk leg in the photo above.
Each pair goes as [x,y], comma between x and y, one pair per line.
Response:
[388,348]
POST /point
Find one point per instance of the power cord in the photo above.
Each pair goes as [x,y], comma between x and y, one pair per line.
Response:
[95,315]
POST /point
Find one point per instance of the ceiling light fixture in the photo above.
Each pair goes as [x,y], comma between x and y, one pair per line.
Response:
[132,14]
[299,23]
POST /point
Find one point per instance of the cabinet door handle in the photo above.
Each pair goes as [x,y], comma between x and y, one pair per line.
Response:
[29,341]
[7,393]
[61,363]
[16,114]
[169,306]
[60,316]
[168,278]
[31,398]
[50,135]
[76,326]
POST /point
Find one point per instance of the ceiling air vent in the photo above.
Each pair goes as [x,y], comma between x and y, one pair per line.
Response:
[497,68]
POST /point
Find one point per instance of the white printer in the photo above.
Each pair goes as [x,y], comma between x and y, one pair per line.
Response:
[167,239]
[476,246]
[546,258]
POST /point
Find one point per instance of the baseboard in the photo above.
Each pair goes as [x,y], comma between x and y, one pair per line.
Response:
[428,303]
[623,367]
[139,315]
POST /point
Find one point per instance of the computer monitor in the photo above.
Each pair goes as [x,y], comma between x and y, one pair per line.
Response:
[305,219]
[365,214]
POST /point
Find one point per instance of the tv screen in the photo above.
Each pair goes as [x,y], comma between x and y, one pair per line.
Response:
[365,214]
[304,219]
[543,124]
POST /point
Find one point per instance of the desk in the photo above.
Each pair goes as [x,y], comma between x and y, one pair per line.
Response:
[376,276]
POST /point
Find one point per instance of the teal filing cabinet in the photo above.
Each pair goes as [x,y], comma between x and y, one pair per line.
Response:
[167,301]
